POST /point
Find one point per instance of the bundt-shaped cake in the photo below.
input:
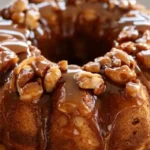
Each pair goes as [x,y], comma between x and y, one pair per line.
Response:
[101,102]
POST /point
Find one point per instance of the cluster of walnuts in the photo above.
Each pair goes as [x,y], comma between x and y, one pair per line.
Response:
[116,65]
[34,76]
[21,12]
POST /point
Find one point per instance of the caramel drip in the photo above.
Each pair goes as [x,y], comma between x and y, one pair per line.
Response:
[69,102]
[13,37]
[12,29]
[113,102]
[16,46]
[72,94]
[43,116]
[137,18]
[72,91]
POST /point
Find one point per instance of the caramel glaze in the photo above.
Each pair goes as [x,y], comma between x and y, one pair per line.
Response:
[111,103]
[14,38]
[100,112]
[101,116]
[69,93]
[72,94]
[70,101]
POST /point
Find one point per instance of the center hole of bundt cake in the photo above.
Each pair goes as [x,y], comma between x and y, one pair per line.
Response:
[79,49]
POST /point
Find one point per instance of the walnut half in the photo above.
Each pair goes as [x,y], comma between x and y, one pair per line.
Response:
[136,90]
[144,58]
[121,74]
[87,80]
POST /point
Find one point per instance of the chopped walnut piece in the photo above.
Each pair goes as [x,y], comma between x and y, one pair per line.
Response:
[32,17]
[118,65]
[121,74]
[120,58]
[135,90]
[23,13]
[144,58]
[34,51]
[41,65]
[145,38]
[124,4]
[51,78]
[116,58]
[87,80]
[133,48]
[19,6]
[24,63]
[142,46]
[128,47]
[25,75]
[128,33]
[18,17]
[31,74]
[104,61]
[63,65]
[31,92]
[116,62]
[92,67]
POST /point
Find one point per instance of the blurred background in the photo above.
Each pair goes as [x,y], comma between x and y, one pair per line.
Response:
[145,2]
